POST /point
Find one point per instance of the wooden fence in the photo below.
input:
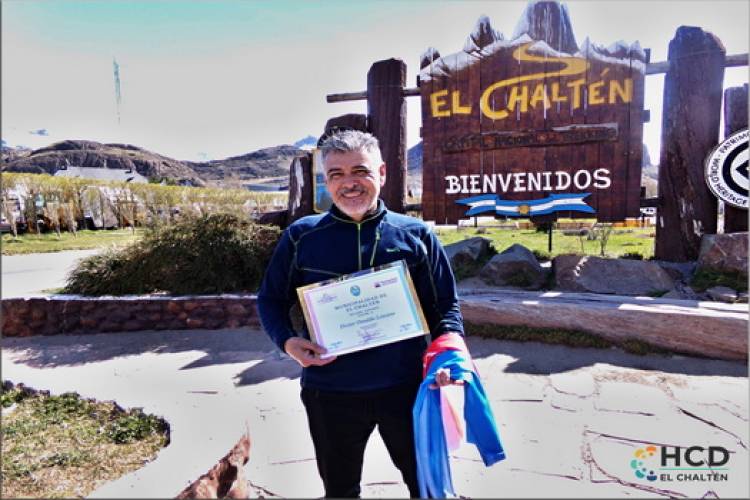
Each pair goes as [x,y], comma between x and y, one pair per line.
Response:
[466,132]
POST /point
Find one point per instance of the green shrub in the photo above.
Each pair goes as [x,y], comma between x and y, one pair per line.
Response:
[11,396]
[540,255]
[704,279]
[632,256]
[208,254]
[134,426]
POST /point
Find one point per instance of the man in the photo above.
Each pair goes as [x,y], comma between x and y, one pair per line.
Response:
[346,397]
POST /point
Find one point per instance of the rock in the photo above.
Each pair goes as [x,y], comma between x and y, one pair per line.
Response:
[194,323]
[682,271]
[226,479]
[468,251]
[722,294]
[682,292]
[174,307]
[190,305]
[135,325]
[237,310]
[724,252]
[694,328]
[516,266]
[579,273]
[576,232]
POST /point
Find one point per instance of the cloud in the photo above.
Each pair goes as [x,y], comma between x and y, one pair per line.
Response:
[41,131]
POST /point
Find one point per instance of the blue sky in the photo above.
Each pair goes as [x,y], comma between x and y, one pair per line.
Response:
[221,78]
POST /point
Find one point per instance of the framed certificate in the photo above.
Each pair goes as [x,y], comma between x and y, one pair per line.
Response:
[366,309]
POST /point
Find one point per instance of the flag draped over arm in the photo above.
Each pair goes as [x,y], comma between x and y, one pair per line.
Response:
[432,422]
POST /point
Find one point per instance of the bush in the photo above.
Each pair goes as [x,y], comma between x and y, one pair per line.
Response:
[134,426]
[540,255]
[632,256]
[208,254]
[543,227]
[705,278]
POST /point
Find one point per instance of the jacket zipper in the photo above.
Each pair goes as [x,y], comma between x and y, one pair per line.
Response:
[359,245]
[375,247]
[359,239]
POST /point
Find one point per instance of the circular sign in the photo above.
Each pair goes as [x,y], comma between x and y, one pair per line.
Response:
[726,170]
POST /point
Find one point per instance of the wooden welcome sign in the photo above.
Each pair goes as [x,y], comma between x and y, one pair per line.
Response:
[534,125]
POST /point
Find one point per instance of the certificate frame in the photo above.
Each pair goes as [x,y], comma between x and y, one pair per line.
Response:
[362,310]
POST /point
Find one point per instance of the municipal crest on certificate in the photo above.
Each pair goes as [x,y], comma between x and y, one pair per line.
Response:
[366,309]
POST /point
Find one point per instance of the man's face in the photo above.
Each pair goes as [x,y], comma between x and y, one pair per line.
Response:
[354,180]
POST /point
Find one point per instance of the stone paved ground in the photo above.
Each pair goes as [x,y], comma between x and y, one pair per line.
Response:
[571,419]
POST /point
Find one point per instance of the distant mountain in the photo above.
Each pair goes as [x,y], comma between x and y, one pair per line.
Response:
[414,159]
[414,170]
[234,172]
[649,174]
[240,170]
[308,142]
[90,154]
[10,153]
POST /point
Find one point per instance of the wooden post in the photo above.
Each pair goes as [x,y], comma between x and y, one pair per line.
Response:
[301,196]
[690,129]
[735,118]
[386,112]
[344,122]
[300,188]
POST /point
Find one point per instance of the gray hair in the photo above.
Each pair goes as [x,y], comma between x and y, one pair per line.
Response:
[348,141]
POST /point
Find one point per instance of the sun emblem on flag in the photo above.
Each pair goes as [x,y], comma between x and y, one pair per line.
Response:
[523,209]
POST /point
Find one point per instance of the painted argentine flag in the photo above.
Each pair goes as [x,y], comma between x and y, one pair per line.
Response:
[553,203]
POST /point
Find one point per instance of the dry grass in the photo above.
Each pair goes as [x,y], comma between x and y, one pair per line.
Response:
[83,240]
[65,446]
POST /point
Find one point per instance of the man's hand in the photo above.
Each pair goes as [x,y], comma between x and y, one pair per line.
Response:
[306,353]
[443,378]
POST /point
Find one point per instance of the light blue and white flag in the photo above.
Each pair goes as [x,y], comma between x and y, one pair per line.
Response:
[572,202]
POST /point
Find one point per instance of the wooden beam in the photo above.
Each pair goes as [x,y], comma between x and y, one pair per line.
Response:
[361,96]
[731,61]
[650,202]
[348,96]
[651,69]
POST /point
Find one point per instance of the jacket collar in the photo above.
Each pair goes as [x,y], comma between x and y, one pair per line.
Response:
[378,214]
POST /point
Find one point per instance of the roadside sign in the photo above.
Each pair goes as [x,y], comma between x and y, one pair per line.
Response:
[726,170]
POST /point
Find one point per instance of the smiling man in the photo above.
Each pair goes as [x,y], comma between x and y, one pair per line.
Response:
[346,397]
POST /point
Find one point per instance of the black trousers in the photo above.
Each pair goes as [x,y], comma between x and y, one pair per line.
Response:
[340,424]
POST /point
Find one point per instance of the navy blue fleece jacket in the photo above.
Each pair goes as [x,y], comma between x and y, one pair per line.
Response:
[329,245]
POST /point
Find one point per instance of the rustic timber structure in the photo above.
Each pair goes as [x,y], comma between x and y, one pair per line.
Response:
[735,119]
[690,129]
[532,118]
[538,117]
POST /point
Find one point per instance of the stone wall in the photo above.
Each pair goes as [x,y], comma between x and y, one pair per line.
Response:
[22,317]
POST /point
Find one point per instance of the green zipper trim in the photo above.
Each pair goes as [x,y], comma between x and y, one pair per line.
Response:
[374,247]
[359,240]
[322,271]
